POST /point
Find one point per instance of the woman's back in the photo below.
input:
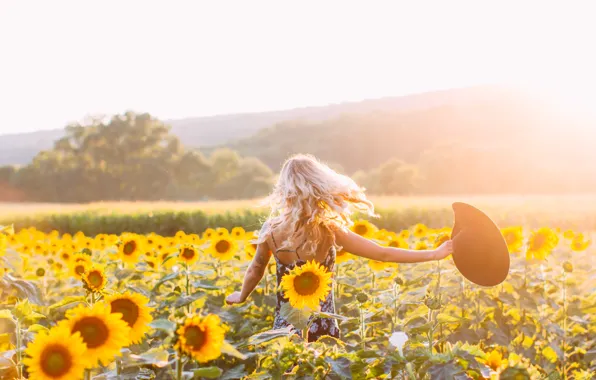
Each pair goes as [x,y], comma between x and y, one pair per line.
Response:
[288,259]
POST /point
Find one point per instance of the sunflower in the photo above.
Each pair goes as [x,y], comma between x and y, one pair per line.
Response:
[188,254]
[3,243]
[201,337]
[377,265]
[364,228]
[541,243]
[494,360]
[193,239]
[135,312]
[404,234]
[307,285]
[223,248]
[440,239]
[105,334]
[220,231]
[180,236]
[154,263]
[208,233]
[250,248]
[569,234]
[238,233]
[56,355]
[95,278]
[578,243]
[514,237]
[79,264]
[398,243]
[342,256]
[420,230]
[130,248]
[421,245]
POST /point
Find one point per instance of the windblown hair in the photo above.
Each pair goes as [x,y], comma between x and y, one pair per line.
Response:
[311,199]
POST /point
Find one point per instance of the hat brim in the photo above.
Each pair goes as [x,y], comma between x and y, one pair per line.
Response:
[480,252]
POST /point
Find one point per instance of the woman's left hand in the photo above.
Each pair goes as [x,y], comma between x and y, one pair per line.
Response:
[234,298]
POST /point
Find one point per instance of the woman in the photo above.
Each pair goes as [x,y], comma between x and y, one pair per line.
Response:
[311,208]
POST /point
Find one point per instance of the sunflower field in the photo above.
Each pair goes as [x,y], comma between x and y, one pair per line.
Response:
[147,306]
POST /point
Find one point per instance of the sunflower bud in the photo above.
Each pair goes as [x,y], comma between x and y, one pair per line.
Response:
[567,267]
[398,280]
[361,297]
[432,302]
[40,272]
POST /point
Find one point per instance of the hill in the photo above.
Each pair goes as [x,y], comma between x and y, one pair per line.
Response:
[206,132]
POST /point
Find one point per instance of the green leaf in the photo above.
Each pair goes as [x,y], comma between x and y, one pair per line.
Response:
[341,366]
[164,279]
[155,356]
[512,373]
[200,285]
[185,300]
[34,317]
[230,350]
[67,301]
[446,371]
[37,328]
[22,309]
[321,314]
[269,335]
[163,324]
[296,317]
[208,372]
[237,372]
[445,318]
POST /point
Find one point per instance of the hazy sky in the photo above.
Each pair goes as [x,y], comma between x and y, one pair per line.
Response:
[63,60]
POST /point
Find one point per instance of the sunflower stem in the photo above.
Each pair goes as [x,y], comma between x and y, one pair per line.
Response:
[362,329]
[118,367]
[19,350]
[179,367]
[87,374]
[564,346]
[187,287]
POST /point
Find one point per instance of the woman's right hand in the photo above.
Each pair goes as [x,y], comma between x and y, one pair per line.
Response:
[234,298]
[443,251]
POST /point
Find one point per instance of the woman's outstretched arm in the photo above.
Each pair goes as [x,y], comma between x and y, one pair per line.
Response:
[253,275]
[359,246]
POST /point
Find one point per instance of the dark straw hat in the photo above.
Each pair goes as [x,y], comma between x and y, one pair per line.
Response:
[479,250]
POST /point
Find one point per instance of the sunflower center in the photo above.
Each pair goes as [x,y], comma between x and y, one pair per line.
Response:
[306,283]
[394,244]
[129,247]
[128,309]
[360,229]
[222,246]
[80,269]
[539,241]
[65,256]
[55,360]
[93,330]
[195,337]
[95,279]
[40,272]
[510,238]
[188,253]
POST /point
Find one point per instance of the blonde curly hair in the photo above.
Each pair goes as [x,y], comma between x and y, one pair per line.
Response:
[312,199]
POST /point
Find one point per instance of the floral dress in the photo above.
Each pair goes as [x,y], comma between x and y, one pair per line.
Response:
[319,326]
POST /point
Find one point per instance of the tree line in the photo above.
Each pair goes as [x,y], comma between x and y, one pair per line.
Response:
[133,157]
[435,151]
